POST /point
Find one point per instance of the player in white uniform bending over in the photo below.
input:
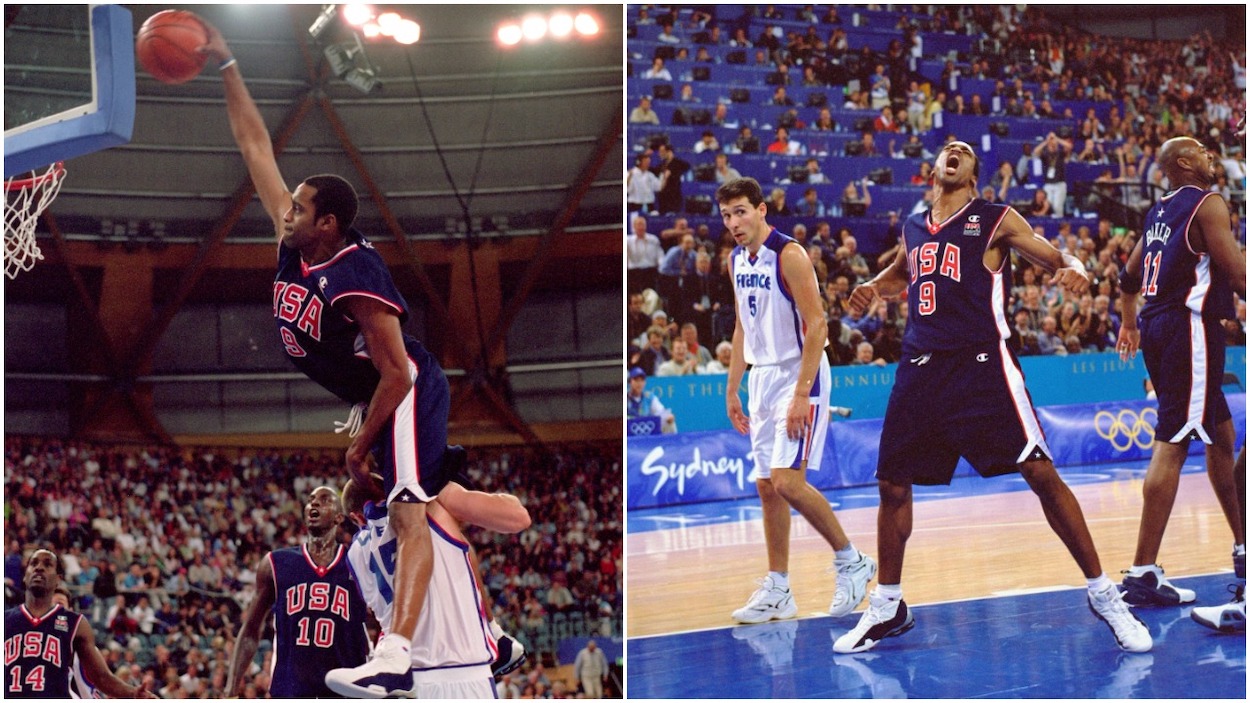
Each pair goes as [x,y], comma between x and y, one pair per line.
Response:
[453,646]
[781,332]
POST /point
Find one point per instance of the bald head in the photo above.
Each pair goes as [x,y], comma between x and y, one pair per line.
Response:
[1185,161]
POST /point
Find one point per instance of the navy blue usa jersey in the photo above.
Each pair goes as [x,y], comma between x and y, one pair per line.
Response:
[38,652]
[954,300]
[1175,278]
[318,621]
[323,342]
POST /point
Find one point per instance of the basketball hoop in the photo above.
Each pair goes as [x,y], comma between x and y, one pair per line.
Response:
[24,200]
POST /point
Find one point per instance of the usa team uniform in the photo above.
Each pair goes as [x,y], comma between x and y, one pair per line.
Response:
[773,345]
[39,652]
[452,647]
[958,390]
[318,621]
[1182,340]
[326,345]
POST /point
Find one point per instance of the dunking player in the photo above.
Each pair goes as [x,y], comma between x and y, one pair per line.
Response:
[781,332]
[339,316]
[318,615]
[1183,267]
[454,645]
[42,639]
[959,390]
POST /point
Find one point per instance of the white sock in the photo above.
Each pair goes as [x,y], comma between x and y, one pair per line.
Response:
[394,640]
[495,630]
[1139,569]
[781,579]
[1101,582]
[1239,549]
[889,591]
[847,553]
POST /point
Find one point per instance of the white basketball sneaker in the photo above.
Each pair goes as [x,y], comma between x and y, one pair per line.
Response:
[1230,617]
[853,577]
[387,674]
[1108,605]
[769,602]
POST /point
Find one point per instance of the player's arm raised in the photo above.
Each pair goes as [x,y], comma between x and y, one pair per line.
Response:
[499,512]
[248,641]
[800,278]
[250,132]
[888,284]
[1014,233]
[385,342]
[97,670]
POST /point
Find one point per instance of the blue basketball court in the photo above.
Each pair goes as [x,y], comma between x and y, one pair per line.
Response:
[1043,644]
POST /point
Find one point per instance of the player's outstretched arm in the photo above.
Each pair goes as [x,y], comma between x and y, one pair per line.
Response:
[248,641]
[250,132]
[1014,233]
[97,670]
[499,512]
[1216,236]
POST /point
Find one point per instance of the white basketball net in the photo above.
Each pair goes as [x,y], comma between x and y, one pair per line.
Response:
[25,199]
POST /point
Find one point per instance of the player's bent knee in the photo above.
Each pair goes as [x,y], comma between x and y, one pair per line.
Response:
[893,493]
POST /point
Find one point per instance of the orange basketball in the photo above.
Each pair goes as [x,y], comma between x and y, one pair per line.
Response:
[168,43]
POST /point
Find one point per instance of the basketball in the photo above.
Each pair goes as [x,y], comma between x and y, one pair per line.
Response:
[168,45]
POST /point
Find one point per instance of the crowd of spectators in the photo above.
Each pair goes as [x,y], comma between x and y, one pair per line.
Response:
[1155,90]
[159,546]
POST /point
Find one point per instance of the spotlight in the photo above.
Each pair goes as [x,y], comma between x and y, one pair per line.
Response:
[357,13]
[586,24]
[409,32]
[322,23]
[561,24]
[534,28]
[389,22]
[371,30]
[509,34]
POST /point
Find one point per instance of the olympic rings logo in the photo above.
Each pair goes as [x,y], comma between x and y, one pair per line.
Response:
[1127,428]
[641,427]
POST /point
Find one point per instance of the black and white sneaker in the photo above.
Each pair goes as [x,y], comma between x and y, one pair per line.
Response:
[1153,588]
[512,654]
[1229,618]
[883,618]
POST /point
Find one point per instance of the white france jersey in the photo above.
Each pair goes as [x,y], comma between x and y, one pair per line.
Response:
[771,325]
[453,630]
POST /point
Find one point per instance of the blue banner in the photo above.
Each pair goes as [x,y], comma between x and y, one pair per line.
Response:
[643,425]
[698,402]
[694,467]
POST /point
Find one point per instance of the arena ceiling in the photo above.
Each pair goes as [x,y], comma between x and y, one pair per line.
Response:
[486,175]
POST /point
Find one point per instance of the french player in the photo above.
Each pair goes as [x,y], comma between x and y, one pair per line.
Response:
[781,331]
[454,645]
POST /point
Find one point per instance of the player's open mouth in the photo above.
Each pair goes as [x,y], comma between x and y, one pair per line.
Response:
[952,164]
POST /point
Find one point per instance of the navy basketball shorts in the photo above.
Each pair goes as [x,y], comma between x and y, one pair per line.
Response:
[969,402]
[409,449]
[1185,359]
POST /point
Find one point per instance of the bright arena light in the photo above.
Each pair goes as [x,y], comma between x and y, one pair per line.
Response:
[389,22]
[561,24]
[408,33]
[534,28]
[586,24]
[371,30]
[357,13]
[510,34]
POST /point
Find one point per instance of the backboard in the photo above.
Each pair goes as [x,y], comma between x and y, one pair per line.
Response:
[69,82]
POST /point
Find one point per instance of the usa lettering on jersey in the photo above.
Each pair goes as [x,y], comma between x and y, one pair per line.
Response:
[295,305]
[318,596]
[33,645]
[932,257]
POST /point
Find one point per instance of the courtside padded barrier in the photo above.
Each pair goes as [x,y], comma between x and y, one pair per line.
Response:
[696,467]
